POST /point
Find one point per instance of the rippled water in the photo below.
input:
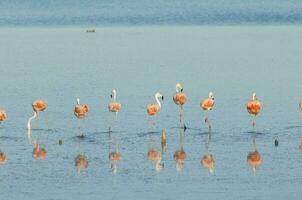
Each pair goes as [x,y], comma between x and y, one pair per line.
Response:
[59,65]
[142,12]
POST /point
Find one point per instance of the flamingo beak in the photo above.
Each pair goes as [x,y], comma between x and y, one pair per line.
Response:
[111,96]
[181,90]
[162,97]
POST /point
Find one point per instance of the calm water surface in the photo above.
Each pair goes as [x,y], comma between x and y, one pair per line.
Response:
[61,64]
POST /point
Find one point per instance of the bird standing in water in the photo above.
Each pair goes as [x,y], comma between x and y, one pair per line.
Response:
[114,106]
[154,108]
[38,106]
[207,105]
[80,111]
[254,106]
[180,99]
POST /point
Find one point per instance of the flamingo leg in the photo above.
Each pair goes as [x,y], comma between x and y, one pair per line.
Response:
[207,121]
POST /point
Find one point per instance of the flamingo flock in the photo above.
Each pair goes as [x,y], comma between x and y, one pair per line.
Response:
[253,107]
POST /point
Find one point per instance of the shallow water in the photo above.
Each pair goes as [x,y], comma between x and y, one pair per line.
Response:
[61,64]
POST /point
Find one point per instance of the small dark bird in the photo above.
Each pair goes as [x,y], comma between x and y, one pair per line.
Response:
[60,142]
[276,142]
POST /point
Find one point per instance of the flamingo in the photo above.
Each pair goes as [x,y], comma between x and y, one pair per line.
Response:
[80,111]
[254,106]
[300,105]
[180,99]
[114,106]
[38,106]
[3,115]
[2,158]
[207,105]
[154,108]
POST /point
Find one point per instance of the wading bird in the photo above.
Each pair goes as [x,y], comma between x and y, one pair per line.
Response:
[180,99]
[207,105]
[3,115]
[253,106]
[300,105]
[114,106]
[154,108]
[80,110]
[38,106]
[254,157]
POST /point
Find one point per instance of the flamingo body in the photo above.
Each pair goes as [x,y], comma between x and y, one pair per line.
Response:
[207,104]
[2,158]
[3,115]
[253,107]
[179,98]
[114,107]
[153,109]
[39,105]
[80,111]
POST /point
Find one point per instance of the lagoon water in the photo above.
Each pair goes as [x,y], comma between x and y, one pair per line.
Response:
[61,64]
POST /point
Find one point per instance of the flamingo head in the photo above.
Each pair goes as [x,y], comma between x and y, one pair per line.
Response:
[78,101]
[211,95]
[159,95]
[179,87]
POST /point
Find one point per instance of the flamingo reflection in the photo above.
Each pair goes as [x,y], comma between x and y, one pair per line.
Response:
[81,162]
[180,155]
[254,157]
[207,160]
[154,155]
[114,154]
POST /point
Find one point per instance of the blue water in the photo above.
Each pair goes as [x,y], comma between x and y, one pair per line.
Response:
[145,12]
[61,64]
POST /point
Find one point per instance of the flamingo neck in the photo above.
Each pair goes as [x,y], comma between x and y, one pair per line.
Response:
[254,97]
[35,114]
[114,95]
[157,100]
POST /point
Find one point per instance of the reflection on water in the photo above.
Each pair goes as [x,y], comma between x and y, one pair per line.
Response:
[207,160]
[81,162]
[154,155]
[254,157]
[114,154]
[180,155]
